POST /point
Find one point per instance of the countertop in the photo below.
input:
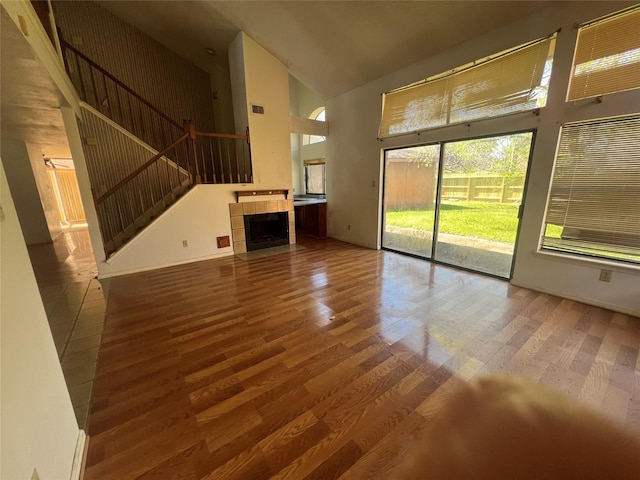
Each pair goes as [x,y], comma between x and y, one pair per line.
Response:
[300,202]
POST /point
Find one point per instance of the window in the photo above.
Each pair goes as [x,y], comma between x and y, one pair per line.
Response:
[511,81]
[314,175]
[607,57]
[318,115]
[593,202]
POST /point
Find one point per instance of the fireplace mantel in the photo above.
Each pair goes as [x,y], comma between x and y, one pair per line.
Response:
[252,193]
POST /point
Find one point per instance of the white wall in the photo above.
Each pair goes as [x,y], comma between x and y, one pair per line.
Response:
[353,174]
[266,82]
[25,192]
[37,424]
[198,217]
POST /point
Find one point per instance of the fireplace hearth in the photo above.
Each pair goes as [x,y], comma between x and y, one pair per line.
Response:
[266,230]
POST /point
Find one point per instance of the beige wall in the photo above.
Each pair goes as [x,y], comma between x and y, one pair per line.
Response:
[168,81]
[25,191]
[238,84]
[266,83]
[354,172]
[37,424]
[47,196]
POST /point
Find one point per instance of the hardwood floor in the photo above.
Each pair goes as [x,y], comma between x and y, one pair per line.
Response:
[319,363]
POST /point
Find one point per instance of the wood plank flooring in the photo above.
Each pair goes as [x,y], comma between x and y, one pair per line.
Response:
[318,364]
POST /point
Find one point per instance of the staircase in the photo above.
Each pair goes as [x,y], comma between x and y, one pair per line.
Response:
[144,161]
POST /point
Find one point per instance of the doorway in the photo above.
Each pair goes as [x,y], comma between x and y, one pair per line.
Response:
[63,182]
[457,202]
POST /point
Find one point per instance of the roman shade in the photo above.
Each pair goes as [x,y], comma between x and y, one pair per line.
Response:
[607,57]
[595,191]
[512,81]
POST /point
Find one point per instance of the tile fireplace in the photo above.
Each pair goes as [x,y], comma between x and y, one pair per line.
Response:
[258,218]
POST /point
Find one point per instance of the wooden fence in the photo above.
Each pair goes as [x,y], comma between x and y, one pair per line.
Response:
[411,185]
[483,188]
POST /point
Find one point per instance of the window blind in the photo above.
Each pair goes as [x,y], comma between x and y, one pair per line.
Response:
[594,200]
[607,57]
[511,82]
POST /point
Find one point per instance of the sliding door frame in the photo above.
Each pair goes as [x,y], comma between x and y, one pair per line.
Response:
[436,219]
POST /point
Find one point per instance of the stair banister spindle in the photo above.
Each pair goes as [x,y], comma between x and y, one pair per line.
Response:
[219,148]
[229,162]
[176,167]
[213,166]
[120,113]
[192,135]
[237,151]
[204,164]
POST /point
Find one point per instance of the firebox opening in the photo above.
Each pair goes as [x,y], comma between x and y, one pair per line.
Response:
[266,230]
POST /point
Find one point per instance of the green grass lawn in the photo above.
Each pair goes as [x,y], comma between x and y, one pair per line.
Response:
[491,221]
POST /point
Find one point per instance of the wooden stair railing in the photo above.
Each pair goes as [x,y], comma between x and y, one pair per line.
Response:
[225,158]
[221,161]
[113,98]
[130,203]
[133,202]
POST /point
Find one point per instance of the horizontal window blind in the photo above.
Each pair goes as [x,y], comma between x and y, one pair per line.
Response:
[594,199]
[607,57]
[512,82]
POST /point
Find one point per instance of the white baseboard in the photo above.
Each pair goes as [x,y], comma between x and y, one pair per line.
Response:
[569,296]
[79,456]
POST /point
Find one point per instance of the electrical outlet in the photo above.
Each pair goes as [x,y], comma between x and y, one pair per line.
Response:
[185,244]
[605,275]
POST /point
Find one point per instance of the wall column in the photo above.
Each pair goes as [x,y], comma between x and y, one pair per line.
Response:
[24,190]
[84,184]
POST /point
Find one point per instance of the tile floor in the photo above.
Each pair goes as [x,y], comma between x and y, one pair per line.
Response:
[75,303]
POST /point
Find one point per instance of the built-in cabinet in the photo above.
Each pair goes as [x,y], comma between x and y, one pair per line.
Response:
[311,217]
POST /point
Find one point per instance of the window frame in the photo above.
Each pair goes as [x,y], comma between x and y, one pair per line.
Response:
[308,139]
[313,163]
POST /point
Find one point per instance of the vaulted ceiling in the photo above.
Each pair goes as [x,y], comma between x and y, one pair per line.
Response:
[331,46]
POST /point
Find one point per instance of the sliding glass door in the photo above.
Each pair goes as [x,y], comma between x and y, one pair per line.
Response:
[457,202]
[410,183]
